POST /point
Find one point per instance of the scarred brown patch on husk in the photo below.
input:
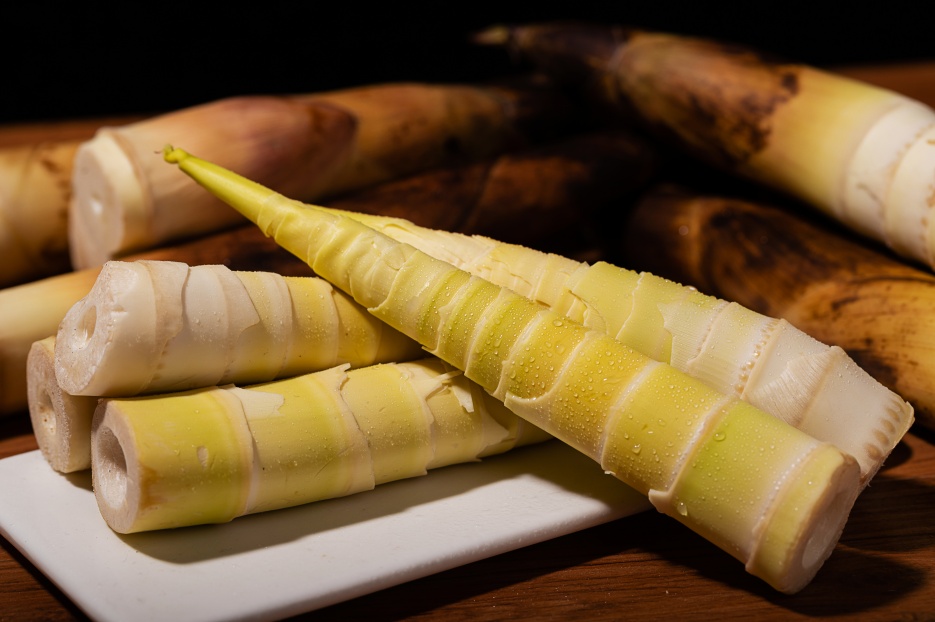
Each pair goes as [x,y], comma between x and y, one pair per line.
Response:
[717,101]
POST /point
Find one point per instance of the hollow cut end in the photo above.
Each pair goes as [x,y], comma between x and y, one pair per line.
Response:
[104,344]
[108,215]
[113,472]
[806,520]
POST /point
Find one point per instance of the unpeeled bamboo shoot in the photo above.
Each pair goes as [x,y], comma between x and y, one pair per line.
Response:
[35,186]
[159,326]
[876,308]
[211,455]
[768,494]
[61,422]
[862,154]
[737,351]
[308,146]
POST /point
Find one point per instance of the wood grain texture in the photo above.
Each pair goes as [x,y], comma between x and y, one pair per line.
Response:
[642,567]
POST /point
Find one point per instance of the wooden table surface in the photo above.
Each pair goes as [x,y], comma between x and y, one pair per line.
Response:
[645,566]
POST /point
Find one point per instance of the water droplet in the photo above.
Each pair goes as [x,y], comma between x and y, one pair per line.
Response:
[681,508]
[719,436]
[636,448]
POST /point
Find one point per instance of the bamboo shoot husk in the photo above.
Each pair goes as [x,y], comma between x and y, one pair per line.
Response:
[310,146]
[862,154]
[878,309]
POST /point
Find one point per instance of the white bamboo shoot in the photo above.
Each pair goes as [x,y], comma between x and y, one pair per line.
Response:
[159,326]
[61,422]
[765,492]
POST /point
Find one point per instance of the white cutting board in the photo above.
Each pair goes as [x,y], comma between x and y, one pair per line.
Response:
[273,565]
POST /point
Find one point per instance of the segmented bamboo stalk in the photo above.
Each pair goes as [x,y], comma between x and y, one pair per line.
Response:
[160,326]
[61,422]
[288,442]
[842,292]
[308,146]
[863,154]
[770,495]
[33,311]
[735,350]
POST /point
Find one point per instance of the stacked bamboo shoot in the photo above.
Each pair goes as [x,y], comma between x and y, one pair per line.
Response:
[767,493]
[863,154]
[288,442]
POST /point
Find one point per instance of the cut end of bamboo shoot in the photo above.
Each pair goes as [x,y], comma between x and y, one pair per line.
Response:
[104,174]
[60,422]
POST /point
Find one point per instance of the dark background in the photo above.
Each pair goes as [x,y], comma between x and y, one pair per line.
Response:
[78,62]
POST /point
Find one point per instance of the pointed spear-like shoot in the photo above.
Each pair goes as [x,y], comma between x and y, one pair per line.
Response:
[770,495]
[763,360]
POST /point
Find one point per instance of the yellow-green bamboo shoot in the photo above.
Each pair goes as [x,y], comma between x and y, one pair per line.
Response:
[159,326]
[862,154]
[211,455]
[763,360]
[767,493]
[61,422]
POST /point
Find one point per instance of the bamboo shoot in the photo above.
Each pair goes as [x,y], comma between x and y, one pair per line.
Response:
[60,421]
[159,326]
[768,494]
[763,360]
[876,308]
[862,154]
[309,146]
[288,442]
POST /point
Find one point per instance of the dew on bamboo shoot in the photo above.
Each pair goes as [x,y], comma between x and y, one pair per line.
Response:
[156,326]
[763,360]
[863,154]
[308,146]
[211,455]
[765,492]
[835,288]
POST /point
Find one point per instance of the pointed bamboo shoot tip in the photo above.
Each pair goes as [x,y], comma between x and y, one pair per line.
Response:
[173,155]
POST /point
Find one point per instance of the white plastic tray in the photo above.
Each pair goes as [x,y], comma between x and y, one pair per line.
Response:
[282,563]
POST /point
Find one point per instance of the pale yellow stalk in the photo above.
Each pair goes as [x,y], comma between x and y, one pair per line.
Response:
[763,360]
[288,442]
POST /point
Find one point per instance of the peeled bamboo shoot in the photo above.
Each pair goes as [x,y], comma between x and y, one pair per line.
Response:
[768,494]
[160,326]
[60,421]
[862,154]
[763,360]
[33,311]
[879,310]
[308,146]
[288,442]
